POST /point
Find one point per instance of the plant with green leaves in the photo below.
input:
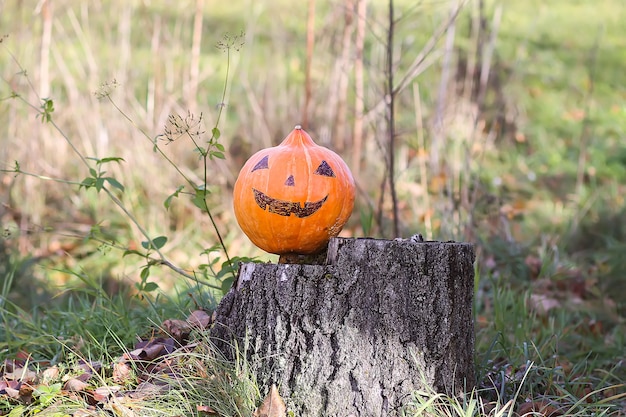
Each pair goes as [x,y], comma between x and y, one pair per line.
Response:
[177,126]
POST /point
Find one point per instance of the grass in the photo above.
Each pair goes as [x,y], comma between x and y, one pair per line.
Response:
[539,364]
[533,171]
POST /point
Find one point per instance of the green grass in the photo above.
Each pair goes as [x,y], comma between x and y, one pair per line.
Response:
[522,357]
[545,172]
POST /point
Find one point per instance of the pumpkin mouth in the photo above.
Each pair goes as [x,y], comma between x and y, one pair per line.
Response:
[287,208]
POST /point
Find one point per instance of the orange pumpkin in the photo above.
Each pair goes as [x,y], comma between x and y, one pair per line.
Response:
[292,198]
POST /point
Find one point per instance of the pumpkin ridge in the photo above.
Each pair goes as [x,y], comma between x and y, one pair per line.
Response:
[307,157]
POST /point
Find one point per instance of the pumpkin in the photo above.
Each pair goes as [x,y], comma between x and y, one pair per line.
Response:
[292,198]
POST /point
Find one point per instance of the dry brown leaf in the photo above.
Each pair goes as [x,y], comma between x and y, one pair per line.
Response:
[26,389]
[151,350]
[90,367]
[75,384]
[121,407]
[102,394]
[147,390]
[12,393]
[178,329]
[542,304]
[85,376]
[21,374]
[205,409]
[122,373]
[199,319]
[273,405]
[23,356]
[50,374]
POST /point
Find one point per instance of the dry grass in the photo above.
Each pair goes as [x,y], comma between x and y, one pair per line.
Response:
[152,62]
[465,159]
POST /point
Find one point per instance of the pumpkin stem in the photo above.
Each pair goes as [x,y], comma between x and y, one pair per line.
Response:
[298,137]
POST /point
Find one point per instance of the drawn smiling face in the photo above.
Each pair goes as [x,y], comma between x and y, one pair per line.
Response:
[292,198]
[284,207]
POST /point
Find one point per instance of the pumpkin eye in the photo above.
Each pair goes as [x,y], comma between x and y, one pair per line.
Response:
[325,169]
[262,164]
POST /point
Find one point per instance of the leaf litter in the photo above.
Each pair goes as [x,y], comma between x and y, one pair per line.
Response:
[139,374]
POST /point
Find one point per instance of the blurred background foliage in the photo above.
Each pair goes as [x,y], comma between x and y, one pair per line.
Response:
[510,131]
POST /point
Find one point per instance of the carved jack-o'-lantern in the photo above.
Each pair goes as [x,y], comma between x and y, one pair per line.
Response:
[292,198]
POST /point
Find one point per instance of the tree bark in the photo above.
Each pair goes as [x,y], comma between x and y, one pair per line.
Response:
[358,335]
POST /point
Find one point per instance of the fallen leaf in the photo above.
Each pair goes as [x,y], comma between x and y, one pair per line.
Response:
[85,376]
[23,356]
[199,319]
[122,373]
[75,384]
[21,374]
[152,349]
[178,329]
[26,390]
[273,405]
[148,389]
[120,407]
[89,367]
[102,394]
[50,374]
[205,409]
[543,303]
[12,393]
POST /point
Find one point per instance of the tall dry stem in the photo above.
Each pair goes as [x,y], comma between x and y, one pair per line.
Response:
[390,100]
[154,83]
[44,56]
[310,45]
[442,93]
[586,128]
[194,66]
[345,60]
[124,29]
[424,59]
[468,198]
[421,156]
[359,101]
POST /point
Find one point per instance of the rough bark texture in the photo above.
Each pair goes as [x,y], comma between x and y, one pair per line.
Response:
[358,335]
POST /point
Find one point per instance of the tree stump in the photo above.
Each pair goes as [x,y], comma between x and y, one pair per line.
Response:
[358,335]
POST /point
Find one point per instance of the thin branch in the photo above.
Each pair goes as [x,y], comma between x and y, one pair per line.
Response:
[585,132]
[310,43]
[194,66]
[416,67]
[344,61]
[391,123]
[359,104]
[442,93]
[17,171]
[421,157]
[422,61]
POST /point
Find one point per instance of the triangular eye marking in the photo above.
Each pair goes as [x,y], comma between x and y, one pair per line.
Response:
[262,164]
[324,169]
[290,182]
